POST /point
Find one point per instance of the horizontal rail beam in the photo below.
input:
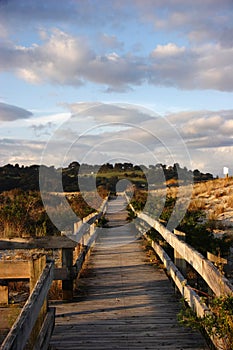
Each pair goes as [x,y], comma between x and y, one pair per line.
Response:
[83,254]
[215,280]
[15,269]
[52,242]
[186,291]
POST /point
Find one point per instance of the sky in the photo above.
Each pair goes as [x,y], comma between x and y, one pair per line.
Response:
[145,81]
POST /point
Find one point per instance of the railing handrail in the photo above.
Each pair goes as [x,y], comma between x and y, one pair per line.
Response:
[213,277]
[22,328]
[216,281]
[89,219]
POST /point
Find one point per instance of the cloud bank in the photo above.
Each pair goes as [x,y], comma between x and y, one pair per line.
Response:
[64,59]
[197,54]
[112,133]
[10,113]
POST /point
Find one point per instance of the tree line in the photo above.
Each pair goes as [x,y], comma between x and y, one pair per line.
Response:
[107,175]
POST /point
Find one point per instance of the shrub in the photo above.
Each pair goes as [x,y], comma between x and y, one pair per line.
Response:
[218,322]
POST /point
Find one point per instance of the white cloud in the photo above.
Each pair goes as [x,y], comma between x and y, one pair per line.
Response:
[20,151]
[164,51]
[67,60]
[202,126]
[110,113]
[205,129]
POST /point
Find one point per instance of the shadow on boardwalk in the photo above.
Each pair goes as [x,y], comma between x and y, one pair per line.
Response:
[124,303]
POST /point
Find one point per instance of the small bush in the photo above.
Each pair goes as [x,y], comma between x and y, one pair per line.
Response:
[218,323]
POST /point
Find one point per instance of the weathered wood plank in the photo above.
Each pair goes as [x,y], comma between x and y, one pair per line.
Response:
[51,242]
[4,294]
[14,270]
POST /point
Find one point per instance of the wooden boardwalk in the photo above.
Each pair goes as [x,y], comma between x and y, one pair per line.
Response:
[125,303]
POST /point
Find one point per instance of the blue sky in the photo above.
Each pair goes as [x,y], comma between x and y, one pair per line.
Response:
[174,58]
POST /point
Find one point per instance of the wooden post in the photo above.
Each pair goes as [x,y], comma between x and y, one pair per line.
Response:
[67,262]
[179,261]
[4,294]
[37,265]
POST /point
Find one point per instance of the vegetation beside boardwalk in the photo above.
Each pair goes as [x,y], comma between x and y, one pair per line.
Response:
[21,208]
[201,217]
[22,213]
[218,322]
[211,201]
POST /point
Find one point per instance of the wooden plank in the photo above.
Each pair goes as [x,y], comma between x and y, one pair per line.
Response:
[216,281]
[21,330]
[3,294]
[51,242]
[14,269]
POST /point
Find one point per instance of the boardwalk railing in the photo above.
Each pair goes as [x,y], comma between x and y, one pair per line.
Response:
[84,237]
[35,323]
[205,268]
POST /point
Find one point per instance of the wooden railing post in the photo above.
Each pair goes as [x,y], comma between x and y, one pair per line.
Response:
[67,262]
[37,265]
[179,260]
[4,294]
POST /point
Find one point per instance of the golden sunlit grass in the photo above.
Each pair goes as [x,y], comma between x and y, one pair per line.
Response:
[215,197]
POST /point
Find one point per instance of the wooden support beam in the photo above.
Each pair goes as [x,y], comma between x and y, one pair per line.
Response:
[52,242]
[67,263]
[4,294]
[37,265]
[179,260]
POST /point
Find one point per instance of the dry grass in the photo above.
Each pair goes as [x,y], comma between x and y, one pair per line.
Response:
[230,201]
[215,197]
[55,291]
[197,204]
